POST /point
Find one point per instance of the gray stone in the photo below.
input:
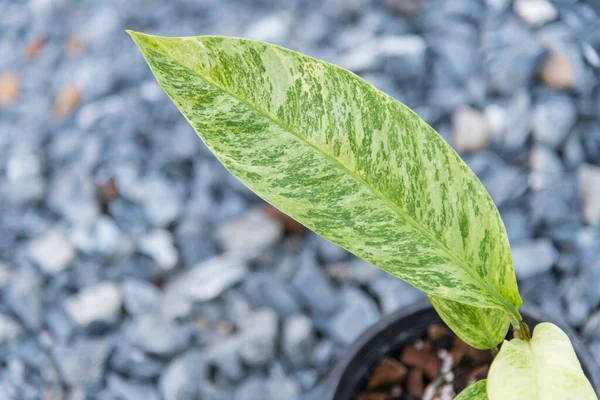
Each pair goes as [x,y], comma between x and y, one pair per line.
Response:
[506,185]
[273,28]
[23,296]
[546,167]
[5,275]
[358,313]
[591,142]
[160,201]
[73,195]
[512,56]
[258,331]
[534,257]
[470,130]
[10,329]
[353,271]
[401,55]
[578,304]
[573,151]
[314,290]
[158,336]
[535,12]
[393,293]
[83,362]
[329,251]
[518,121]
[130,390]
[588,177]
[595,350]
[298,339]
[553,119]
[266,290]
[250,235]
[551,205]
[212,277]
[591,329]
[224,356]
[103,237]
[52,252]
[140,297]
[24,180]
[186,378]
[132,361]
[271,389]
[518,226]
[158,244]
[95,305]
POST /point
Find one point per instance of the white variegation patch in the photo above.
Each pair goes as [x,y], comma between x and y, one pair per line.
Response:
[543,368]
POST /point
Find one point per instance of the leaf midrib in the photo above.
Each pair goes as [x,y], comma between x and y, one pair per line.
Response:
[414,223]
[536,377]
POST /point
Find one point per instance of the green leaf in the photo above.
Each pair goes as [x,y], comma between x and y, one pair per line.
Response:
[476,391]
[344,159]
[482,328]
[546,367]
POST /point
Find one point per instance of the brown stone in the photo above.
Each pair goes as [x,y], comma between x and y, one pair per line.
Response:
[75,44]
[388,372]
[290,225]
[438,331]
[408,8]
[10,85]
[67,100]
[411,356]
[372,396]
[480,356]
[35,48]
[425,359]
[459,350]
[107,192]
[557,72]
[415,384]
[480,372]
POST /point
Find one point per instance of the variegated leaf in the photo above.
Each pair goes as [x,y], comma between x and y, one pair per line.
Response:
[344,159]
[545,367]
[477,391]
[482,328]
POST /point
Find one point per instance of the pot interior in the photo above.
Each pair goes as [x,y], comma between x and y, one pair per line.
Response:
[398,330]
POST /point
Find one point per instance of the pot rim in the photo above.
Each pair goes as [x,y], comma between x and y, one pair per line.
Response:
[341,366]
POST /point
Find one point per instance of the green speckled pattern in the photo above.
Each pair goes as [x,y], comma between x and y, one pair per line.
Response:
[482,328]
[343,158]
[476,391]
[544,368]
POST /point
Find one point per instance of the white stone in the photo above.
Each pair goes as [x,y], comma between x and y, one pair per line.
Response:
[367,55]
[535,12]
[158,244]
[588,177]
[161,204]
[96,304]
[250,235]
[495,116]
[534,257]
[273,29]
[210,278]
[470,130]
[52,252]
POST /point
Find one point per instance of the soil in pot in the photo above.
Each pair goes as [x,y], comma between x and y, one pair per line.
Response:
[437,366]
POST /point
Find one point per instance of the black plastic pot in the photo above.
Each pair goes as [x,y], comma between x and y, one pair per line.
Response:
[396,330]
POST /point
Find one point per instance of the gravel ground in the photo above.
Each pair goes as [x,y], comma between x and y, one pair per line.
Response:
[132,266]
